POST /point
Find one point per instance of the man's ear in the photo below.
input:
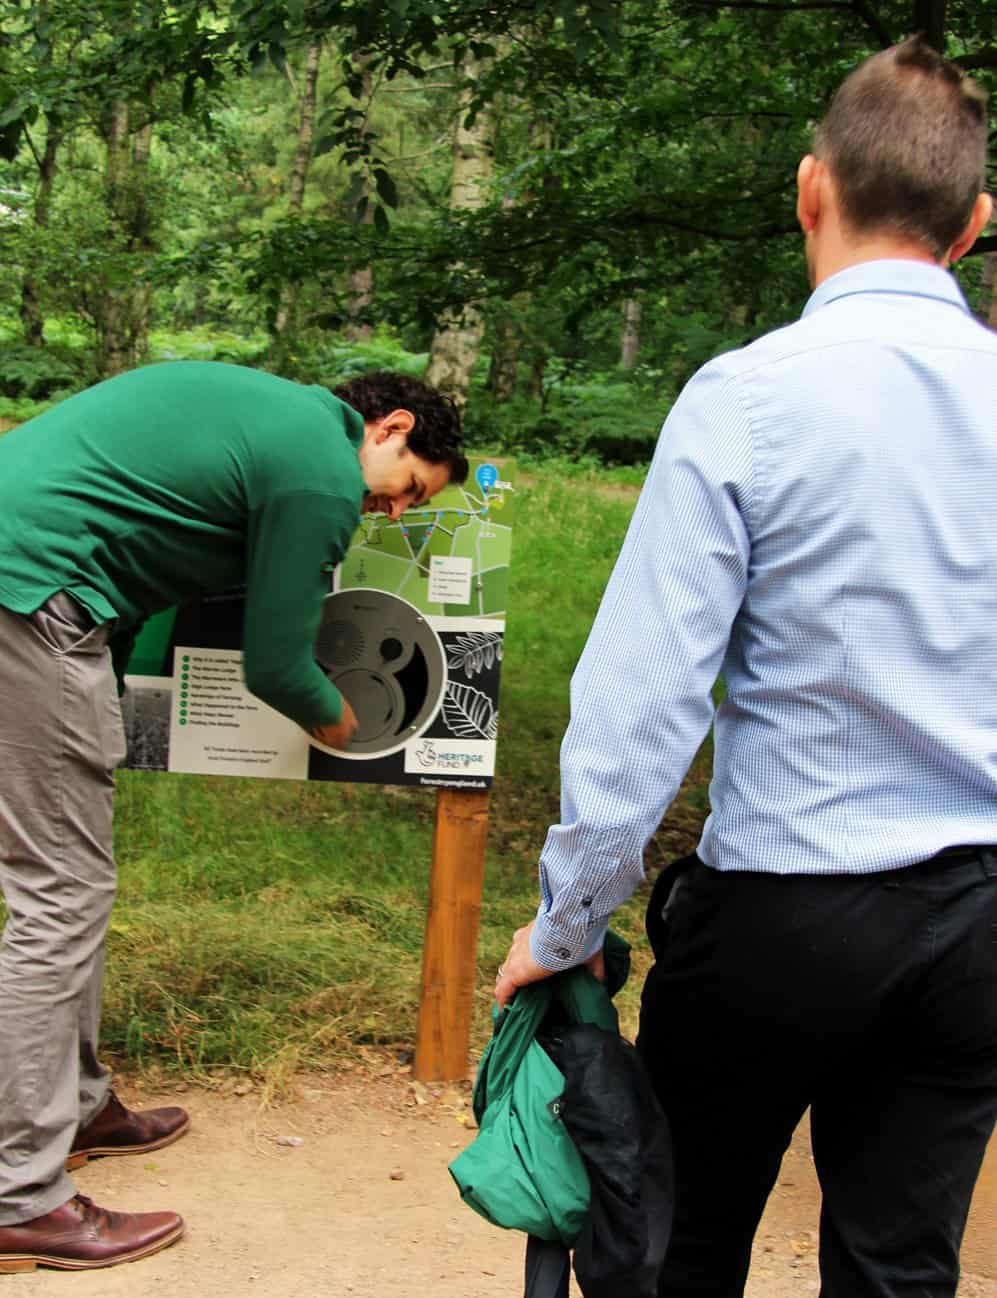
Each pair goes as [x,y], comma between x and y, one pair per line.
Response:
[982,211]
[808,193]
[398,421]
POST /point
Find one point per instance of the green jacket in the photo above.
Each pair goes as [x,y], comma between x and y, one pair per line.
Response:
[523,1171]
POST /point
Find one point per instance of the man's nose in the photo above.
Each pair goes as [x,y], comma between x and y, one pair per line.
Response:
[398,504]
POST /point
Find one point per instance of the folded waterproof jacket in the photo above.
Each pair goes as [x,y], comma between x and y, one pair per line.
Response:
[573,1147]
[523,1170]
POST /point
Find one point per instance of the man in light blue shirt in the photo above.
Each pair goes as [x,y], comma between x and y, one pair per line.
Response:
[816,526]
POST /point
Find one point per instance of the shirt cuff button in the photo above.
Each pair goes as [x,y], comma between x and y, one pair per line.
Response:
[563,953]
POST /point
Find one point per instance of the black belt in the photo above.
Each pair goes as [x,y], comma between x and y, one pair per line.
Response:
[984,853]
[963,852]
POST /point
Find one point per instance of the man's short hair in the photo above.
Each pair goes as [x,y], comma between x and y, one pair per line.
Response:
[906,141]
[436,435]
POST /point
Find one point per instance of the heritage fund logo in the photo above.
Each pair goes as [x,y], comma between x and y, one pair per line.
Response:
[451,756]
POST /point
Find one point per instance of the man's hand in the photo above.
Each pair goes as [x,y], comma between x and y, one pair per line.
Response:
[339,734]
[519,967]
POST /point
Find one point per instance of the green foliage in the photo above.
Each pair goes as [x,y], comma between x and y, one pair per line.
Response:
[582,469]
[585,424]
[643,151]
[18,410]
[68,58]
[681,335]
[320,357]
[207,343]
[39,372]
[33,376]
[603,422]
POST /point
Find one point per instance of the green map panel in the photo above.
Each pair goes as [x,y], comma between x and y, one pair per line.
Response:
[492,594]
[473,521]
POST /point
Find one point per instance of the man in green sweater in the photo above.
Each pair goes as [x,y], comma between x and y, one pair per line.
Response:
[146,491]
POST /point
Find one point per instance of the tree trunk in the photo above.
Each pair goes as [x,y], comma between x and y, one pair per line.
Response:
[505,359]
[630,340]
[122,306]
[538,372]
[929,19]
[361,281]
[361,287]
[306,129]
[140,240]
[299,178]
[458,339]
[510,329]
[113,342]
[503,369]
[988,298]
[31,314]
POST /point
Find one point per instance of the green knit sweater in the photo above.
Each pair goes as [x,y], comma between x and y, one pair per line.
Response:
[180,479]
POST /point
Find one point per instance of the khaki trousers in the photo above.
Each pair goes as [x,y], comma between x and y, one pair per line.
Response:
[60,739]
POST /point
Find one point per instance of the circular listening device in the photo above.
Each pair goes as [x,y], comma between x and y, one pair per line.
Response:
[387,662]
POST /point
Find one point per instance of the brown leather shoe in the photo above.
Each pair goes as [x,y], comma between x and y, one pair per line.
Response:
[79,1236]
[117,1130]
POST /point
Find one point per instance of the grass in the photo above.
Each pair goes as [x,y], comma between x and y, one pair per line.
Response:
[268,925]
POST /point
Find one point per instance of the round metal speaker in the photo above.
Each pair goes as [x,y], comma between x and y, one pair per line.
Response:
[341,642]
[387,662]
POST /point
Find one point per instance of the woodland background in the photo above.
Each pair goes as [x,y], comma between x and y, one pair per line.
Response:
[557,211]
[562,209]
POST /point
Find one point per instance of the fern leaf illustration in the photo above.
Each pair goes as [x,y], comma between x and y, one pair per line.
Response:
[468,713]
[474,651]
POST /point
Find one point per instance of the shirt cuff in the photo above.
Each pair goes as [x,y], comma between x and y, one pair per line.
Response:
[555,950]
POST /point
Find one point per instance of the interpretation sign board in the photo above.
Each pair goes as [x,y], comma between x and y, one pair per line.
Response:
[412,635]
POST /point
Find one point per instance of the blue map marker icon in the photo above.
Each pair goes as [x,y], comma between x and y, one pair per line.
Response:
[486,476]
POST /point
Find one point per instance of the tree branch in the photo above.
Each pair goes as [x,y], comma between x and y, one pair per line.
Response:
[874,23]
[629,220]
[436,149]
[981,59]
[781,6]
[727,236]
[738,116]
[31,145]
[929,19]
[859,7]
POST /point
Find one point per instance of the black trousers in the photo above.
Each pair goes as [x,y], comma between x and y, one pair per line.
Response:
[872,999]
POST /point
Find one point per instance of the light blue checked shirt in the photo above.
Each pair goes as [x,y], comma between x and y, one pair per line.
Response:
[819,525]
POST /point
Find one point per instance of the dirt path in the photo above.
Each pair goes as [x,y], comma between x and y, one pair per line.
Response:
[356,1204]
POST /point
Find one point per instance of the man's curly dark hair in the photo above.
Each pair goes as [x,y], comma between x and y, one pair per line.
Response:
[436,436]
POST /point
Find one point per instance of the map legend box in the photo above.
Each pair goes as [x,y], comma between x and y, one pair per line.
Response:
[450,579]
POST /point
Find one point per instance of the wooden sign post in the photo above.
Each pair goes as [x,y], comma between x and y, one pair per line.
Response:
[452,923]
